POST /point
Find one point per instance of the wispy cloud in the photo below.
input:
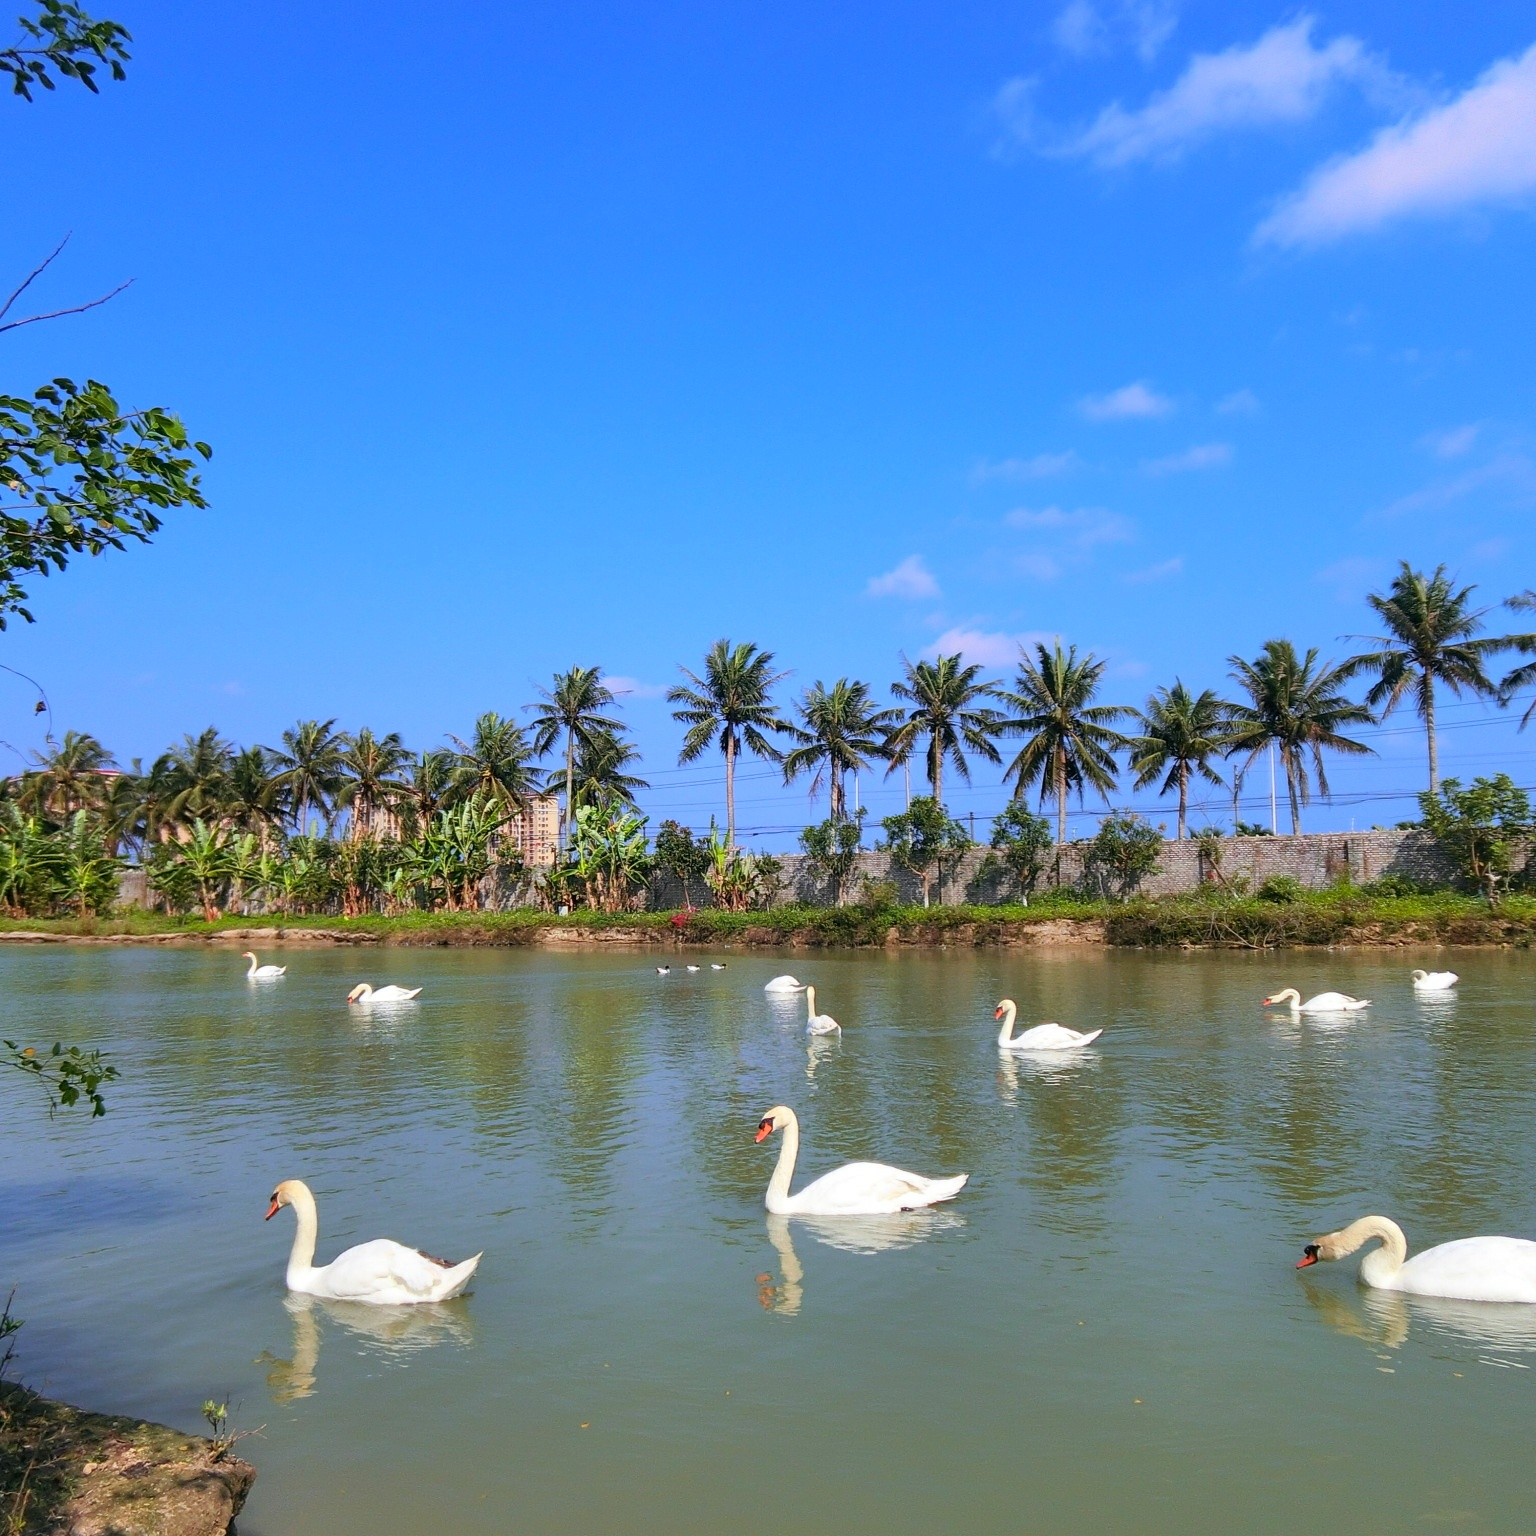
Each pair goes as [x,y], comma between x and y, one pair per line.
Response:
[1349,579]
[1201,456]
[1162,571]
[1282,78]
[911,579]
[991,648]
[1476,150]
[1083,527]
[1041,467]
[1453,442]
[1513,472]
[633,688]
[1241,402]
[1128,403]
[1084,28]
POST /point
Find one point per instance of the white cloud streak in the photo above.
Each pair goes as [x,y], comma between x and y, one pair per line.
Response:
[1280,79]
[1477,150]
[1084,28]
[1162,571]
[911,579]
[1083,527]
[1128,403]
[991,648]
[1241,402]
[633,688]
[1453,442]
[1041,467]
[1201,456]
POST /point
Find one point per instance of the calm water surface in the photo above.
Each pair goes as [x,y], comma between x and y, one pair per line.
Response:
[1104,1333]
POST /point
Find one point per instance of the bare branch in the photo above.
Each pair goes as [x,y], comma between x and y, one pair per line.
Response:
[5,309]
[76,309]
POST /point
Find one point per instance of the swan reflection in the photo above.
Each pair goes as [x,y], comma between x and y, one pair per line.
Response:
[820,1047]
[852,1234]
[1387,1318]
[389,1333]
[1041,1066]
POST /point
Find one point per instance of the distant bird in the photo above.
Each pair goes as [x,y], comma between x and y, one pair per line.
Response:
[1434,981]
[663,970]
[363,993]
[715,967]
[783,984]
[262,972]
[691,968]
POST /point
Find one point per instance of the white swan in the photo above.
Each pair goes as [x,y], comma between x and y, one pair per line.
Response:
[818,1023]
[1470,1269]
[1434,981]
[856,1189]
[1324,1002]
[1043,1037]
[714,967]
[262,972]
[690,969]
[783,984]
[663,970]
[363,993]
[381,1273]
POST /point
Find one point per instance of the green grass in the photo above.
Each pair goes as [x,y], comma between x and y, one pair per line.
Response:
[1339,916]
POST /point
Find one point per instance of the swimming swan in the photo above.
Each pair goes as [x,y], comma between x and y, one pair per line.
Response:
[1043,1037]
[856,1189]
[1324,1002]
[1434,981]
[1470,1269]
[783,984]
[381,1273]
[363,993]
[818,1023]
[262,972]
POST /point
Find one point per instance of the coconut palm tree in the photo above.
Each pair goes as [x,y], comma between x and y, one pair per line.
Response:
[947,707]
[309,769]
[371,785]
[73,776]
[841,731]
[1430,628]
[1071,742]
[573,708]
[429,786]
[730,704]
[598,778]
[253,795]
[1525,674]
[1180,733]
[496,763]
[1300,707]
[191,781]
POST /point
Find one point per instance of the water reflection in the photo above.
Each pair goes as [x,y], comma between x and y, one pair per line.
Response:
[817,1050]
[1388,1318]
[1040,1066]
[392,1334]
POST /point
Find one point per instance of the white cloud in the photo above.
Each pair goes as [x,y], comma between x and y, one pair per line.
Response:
[1282,78]
[1083,527]
[1350,578]
[1241,402]
[910,579]
[1512,472]
[1478,149]
[992,648]
[1083,28]
[1453,442]
[633,688]
[1041,567]
[1162,571]
[1201,456]
[1042,466]
[1129,402]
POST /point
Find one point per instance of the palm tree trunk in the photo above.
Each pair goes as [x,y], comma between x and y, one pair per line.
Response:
[570,783]
[1061,798]
[839,802]
[936,774]
[1183,799]
[730,788]
[1429,731]
[1291,786]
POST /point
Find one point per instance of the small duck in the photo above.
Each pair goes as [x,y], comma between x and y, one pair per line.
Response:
[690,969]
[715,967]
[663,970]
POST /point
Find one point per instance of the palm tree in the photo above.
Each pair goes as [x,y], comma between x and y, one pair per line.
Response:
[495,762]
[372,784]
[1180,733]
[310,768]
[1429,626]
[842,730]
[573,707]
[1525,674]
[72,777]
[730,703]
[945,708]
[1298,706]
[429,786]
[1071,742]
[253,794]
[598,778]
[191,781]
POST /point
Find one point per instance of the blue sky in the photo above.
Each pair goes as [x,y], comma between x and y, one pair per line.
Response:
[590,333]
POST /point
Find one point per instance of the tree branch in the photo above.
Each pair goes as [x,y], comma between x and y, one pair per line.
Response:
[76,309]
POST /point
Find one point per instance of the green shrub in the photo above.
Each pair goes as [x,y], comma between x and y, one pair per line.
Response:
[1281,890]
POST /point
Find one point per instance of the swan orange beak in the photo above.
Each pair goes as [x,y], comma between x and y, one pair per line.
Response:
[1308,1256]
[273,1209]
[997,1012]
[764,1131]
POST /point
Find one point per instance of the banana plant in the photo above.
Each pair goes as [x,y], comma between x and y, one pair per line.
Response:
[87,873]
[29,863]
[610,856]
[207,855]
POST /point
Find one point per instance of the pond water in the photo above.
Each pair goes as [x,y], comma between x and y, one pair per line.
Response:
[1105,1331]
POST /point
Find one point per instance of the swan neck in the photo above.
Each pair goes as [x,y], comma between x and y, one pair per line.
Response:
[810,1013]
[301,1258]
[1385,1262]
[252,970]
[1010,1013]
[784,1170]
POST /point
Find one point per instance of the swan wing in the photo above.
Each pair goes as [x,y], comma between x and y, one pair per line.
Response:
[823,1024]
[872,1189]
[394,994]
[1334,1002]
[387,1273]
[1052,1037]
[1473,1269]
[783,984]
[1436,981]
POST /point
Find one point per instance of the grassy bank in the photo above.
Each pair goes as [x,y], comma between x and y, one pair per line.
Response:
[1339,916]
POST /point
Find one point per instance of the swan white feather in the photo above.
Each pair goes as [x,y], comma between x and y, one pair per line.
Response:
[1434,981]
[1043,1037]
[363,993]
[262,972]
[1324,1002]
[783,984]
[818,1023]
[1469,1269]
